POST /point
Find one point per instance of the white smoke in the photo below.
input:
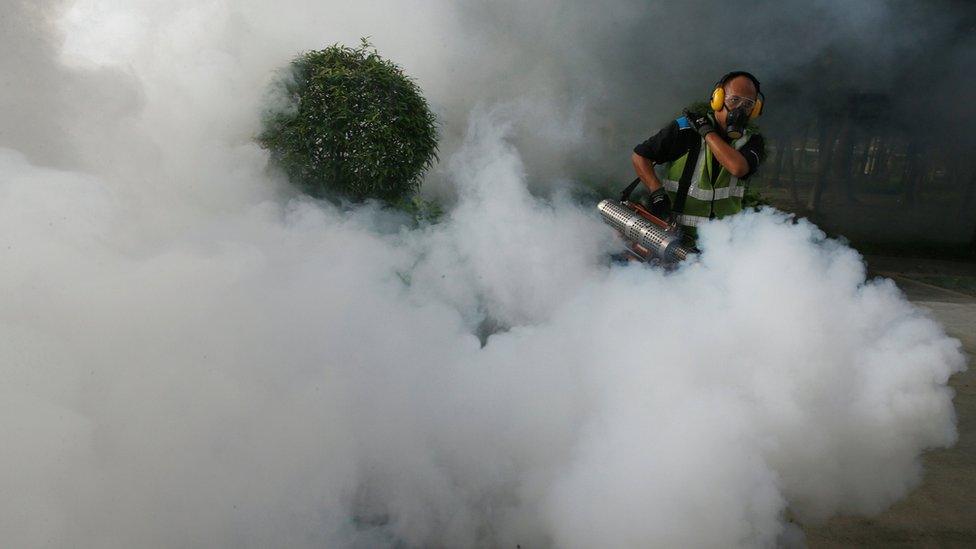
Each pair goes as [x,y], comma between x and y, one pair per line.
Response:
[195,356]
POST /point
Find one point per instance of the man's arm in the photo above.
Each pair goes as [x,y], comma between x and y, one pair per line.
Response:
[665,146]
[727,156]
[731,159]
[645,171]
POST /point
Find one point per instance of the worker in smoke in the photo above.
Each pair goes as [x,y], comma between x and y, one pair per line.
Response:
[706,156]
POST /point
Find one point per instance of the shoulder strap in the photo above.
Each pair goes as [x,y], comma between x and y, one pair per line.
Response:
[684,184]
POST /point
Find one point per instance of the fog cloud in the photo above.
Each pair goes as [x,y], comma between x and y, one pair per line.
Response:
[195,355]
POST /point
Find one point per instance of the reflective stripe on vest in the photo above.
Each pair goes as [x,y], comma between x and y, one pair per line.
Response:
[691,220]
[709,194]
[720,193]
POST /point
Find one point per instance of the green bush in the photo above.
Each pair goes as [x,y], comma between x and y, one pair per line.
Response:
[355,126]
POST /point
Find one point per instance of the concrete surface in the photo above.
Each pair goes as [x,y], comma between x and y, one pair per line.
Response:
[942,511]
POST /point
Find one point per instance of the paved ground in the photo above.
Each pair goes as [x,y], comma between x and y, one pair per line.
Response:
[942,511]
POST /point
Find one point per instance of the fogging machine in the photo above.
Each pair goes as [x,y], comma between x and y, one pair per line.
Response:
[648,238]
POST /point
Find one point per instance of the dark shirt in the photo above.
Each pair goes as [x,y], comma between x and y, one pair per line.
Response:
[672,142]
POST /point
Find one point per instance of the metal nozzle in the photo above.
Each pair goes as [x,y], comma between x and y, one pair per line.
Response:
[664,244]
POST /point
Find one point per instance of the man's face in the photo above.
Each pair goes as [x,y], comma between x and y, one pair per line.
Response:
[739,89]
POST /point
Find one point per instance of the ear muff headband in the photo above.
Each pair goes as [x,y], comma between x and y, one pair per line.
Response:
[718,94]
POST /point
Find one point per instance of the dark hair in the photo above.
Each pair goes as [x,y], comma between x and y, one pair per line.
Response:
[735,74]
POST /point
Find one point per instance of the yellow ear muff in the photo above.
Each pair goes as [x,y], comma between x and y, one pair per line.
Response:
[756,109]
[718,99]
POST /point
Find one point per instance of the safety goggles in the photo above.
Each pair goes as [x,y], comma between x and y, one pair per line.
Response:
[733,102]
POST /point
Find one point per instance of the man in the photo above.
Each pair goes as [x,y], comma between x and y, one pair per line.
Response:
[706,156]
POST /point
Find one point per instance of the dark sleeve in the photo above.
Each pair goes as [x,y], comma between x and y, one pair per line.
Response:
[664,146]
[755,151]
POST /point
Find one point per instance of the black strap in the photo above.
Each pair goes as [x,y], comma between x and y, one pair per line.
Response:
[684,184]
[625,196]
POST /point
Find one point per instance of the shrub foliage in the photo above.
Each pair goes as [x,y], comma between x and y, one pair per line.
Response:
[355,126]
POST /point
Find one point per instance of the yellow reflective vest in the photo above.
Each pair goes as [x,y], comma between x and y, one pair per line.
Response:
[712,194]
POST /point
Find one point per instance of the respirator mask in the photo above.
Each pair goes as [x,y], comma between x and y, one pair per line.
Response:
[739,109]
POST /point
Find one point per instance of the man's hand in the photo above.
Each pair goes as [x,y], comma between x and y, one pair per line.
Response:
[701,122]
[660,204]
